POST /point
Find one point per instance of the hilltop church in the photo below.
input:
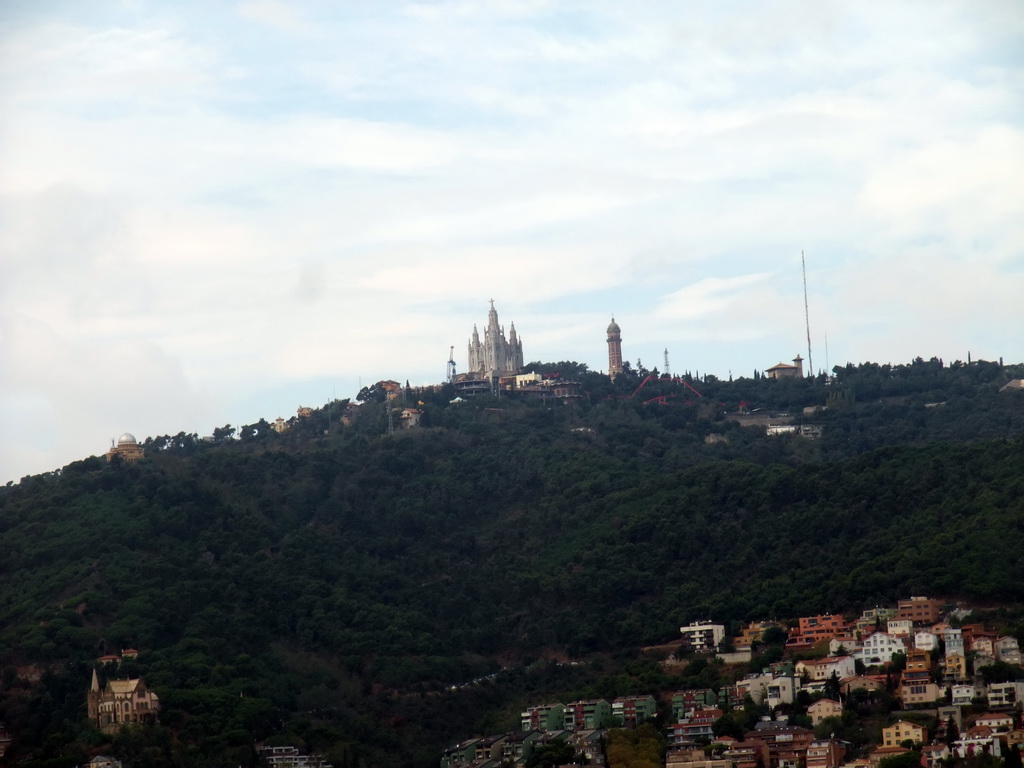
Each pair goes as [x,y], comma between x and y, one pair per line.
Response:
[495,356]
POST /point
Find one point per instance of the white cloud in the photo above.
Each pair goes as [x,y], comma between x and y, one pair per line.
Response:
[239,204]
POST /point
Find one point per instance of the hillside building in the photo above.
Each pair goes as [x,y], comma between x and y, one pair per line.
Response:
[126,449]
[120,702]
[786,371]
[703,635]
[495,355]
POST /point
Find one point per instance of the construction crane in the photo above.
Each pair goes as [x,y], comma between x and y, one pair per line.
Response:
[451,365]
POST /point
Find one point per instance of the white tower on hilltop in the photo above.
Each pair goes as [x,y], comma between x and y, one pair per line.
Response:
[495,356]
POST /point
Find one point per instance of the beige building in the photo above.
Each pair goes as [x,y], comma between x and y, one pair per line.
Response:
[125,449]
[823,708]
[901,731]
[120,702]
[786,371]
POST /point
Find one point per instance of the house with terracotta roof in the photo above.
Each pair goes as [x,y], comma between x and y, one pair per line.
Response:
[999,722]
[933,755]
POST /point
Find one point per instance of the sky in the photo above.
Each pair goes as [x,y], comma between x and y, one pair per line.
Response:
[215,212]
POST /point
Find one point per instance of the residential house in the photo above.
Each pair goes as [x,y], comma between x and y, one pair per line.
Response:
[955,667]
[730,697]
[919,610]
[982,644]
[1015,738]
[978,741]
[903,730]
[963,694]
[471,751]
[1007,649]
[861,683]
[749,753]
[823,669]
[878,648]
[546,717]
[787,744]
[999,722]
[587,715]
[589,745]
[916,685]
[813,629]
[703,636]
[873,619]
[698,728]
[685,703]
[954,641]
[630,711]
[756,685]
[825,753]
[843,645]
[518,746]
[823,708]
[751,634]
[899,627]
[1005,695]
[926,640]
[934,755]
[982,660]
[781,690]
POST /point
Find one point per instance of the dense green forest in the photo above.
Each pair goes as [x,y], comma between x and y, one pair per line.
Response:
[375,596]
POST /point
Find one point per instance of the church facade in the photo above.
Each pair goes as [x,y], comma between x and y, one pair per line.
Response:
[494,355]
[120,702]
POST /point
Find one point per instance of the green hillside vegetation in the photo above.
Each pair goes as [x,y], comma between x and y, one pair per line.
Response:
[375,597]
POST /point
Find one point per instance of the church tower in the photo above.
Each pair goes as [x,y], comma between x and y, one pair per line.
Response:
[495,355]
[614,349]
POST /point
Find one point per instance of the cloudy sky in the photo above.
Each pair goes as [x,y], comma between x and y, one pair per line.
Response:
[212,212]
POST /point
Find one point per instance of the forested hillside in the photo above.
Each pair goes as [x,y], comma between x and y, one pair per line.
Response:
[339,589]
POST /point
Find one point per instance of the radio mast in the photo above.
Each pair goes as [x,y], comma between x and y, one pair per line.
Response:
[807,318]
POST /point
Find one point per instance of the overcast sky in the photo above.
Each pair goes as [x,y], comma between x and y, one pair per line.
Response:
[213,212]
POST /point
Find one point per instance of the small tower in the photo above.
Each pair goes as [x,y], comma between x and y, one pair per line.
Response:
[614,349]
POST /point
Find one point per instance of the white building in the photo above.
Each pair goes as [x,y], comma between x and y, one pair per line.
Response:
[879,648]
[703,635]
[954,640]
[962,695]
[899,627]
[926,641]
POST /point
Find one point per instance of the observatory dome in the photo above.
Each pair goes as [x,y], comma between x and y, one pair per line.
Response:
[127,439]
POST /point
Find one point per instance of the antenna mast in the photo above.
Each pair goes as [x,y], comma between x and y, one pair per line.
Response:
[667,372]
[807,317]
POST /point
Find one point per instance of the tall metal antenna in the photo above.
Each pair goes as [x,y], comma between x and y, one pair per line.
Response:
[807,317]
[667,371]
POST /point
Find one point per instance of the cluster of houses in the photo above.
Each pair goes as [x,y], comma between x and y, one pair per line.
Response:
[910,650]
